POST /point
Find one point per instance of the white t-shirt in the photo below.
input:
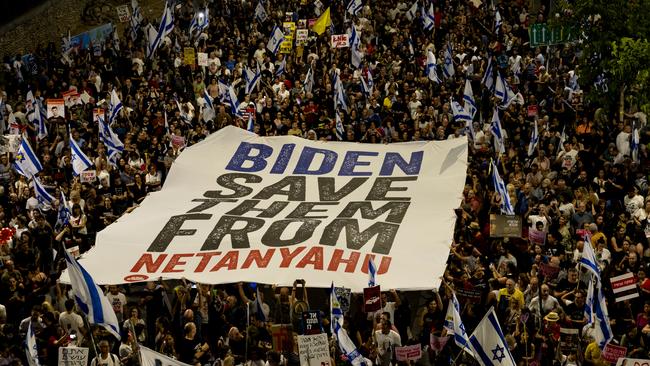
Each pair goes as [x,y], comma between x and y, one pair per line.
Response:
[386,344]
[110,360]
[71,322]
[118,302]
[633,204]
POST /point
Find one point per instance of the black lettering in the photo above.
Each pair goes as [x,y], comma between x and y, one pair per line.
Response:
[396,210]
[304,208]
[272,237]
[250,205]
[327,191]
[207,203]
[228,181]
[356,239]
[295,189]
[173,228]
[238,237]
[382,186]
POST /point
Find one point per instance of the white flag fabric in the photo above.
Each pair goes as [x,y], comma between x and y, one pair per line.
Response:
[468,98]
[165,28]
[90,298]
[114,107]
[277,37]
[25,162]
[588,258]
[114,146]
[252,78]
[355,41]
[534,139]
[31,350]
[43,197]
[354,7]
[40,116]
[63,216]
[372,273]
[448,69]
[497,23]
[149,357]
[281,68]
[412,12]
[498,133]
[260,13]
[500,188]
[346,345]
[431,67]
[634,144]
[428,18]
[489,344]
[455,325]
[80,161]
[136,18]
[339,94]
[488,76]
[340,130]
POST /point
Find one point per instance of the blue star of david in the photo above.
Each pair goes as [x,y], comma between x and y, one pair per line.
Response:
[447,61]
[498,354]
[41,200]
[462,328]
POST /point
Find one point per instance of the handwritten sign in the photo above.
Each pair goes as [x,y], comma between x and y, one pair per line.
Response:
[632,362]
[123,13]
[408,353]
[202,58]
[612,353]
[73,356]
[314,350]
[505,226]
[311,322]
[87,176]
[340,41]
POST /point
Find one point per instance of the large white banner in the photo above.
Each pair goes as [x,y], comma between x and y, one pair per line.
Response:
[238,207]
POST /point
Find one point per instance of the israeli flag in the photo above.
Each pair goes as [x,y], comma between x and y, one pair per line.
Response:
[30,102]
[635,144]
[166,27]
[200,22]
[276,39]
[63,217]
[589,303]
[309,81]
[260,13]
[372,272]
[259,311]
[354,7]
[411,48]
[498,133]
[562,137]
[468,98]
[136,19]
[534,139]
[185,118]
[209,101]
[25,162]
[80,161]
[281,68]
[602,330]
[502,191]
[459,113]
[431,68]
[343,340]
[488,77]
[40,116]
[114,107]
[355,41]
[252,78]
[497,23]
[251,124]
[340,130]
[504,93]
[428,19]
[43,197]
[412,12]
[364,86]
[233,102]
[31,350]
[339,94]
[448,69]
[489,344]
[149,357]
[454,325]
[90,298]
[588,258]
[114,146]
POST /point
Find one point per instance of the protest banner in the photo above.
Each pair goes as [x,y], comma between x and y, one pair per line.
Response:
[55,108]
[73,356]
[302,24]
[311,322]
[470,295]
[314,350]
[343,294]
[189,56]
[282,336]
[95,37]
[288,29]
[340,41]
[624,287]
[88,176]
[569,339]
[150,357]
[123,13]
[202,58]
[612,352]
[408,353]
[328,208]
[632,362]
[371,299]
[505,226]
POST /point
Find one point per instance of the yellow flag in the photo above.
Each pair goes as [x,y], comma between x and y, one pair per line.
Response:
[322,22]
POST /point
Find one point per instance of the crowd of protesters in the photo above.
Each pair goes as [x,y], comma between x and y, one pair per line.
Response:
[580,178]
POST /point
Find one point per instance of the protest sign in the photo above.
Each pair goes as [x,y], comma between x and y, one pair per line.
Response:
[88,176]
[55,108]
[408,353]
[311,322]
[11,143]
[612,352]
[301,37]
[470,295]
[123,13]
[314,350]
[624,287]
[632,362]
[340,41]
[536,236]
[505,226]
[282,335]
[343,295]
[97,114]
[71,98]
[532,111]
[202,58]
[73,356]
[371,299]
[569,339]
[549,271]
[328,209]
[189,56]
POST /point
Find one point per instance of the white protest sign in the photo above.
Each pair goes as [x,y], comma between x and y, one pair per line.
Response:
[632,362]
[123,13]
[202,58]
[328,207]
[408,353]
[301,37]
[73,356]
[340,41]
[314,350]
[87,176]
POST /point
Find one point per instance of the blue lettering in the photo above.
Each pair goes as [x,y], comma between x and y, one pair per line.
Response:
[351,160]
[307,157]
[283,159]
[243,154]
[410,168]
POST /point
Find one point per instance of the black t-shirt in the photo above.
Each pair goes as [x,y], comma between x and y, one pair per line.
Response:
[187,349]
[575,312]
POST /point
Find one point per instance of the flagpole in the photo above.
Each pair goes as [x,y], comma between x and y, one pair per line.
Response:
[90,332]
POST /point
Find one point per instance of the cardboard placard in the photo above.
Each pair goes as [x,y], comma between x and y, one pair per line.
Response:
[73,356]
[624,287]
[97,114]
[548,271]
[371,299]
[632,362]
[343,295]
[301,37]
[569,339]
[470,295]
[408,353]
[178,141]
[537,236]
[314,350]
[11,144]
[123,13]
[71,98]
[612,353]
[505,226]
[532,111]
[55,108]
[311,322]
[282,335]
[87,176]
[202,58]
[340,41]
[189,56]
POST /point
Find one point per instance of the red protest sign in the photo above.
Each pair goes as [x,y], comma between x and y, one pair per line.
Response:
[612,353]
[408,353]
[371,299]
